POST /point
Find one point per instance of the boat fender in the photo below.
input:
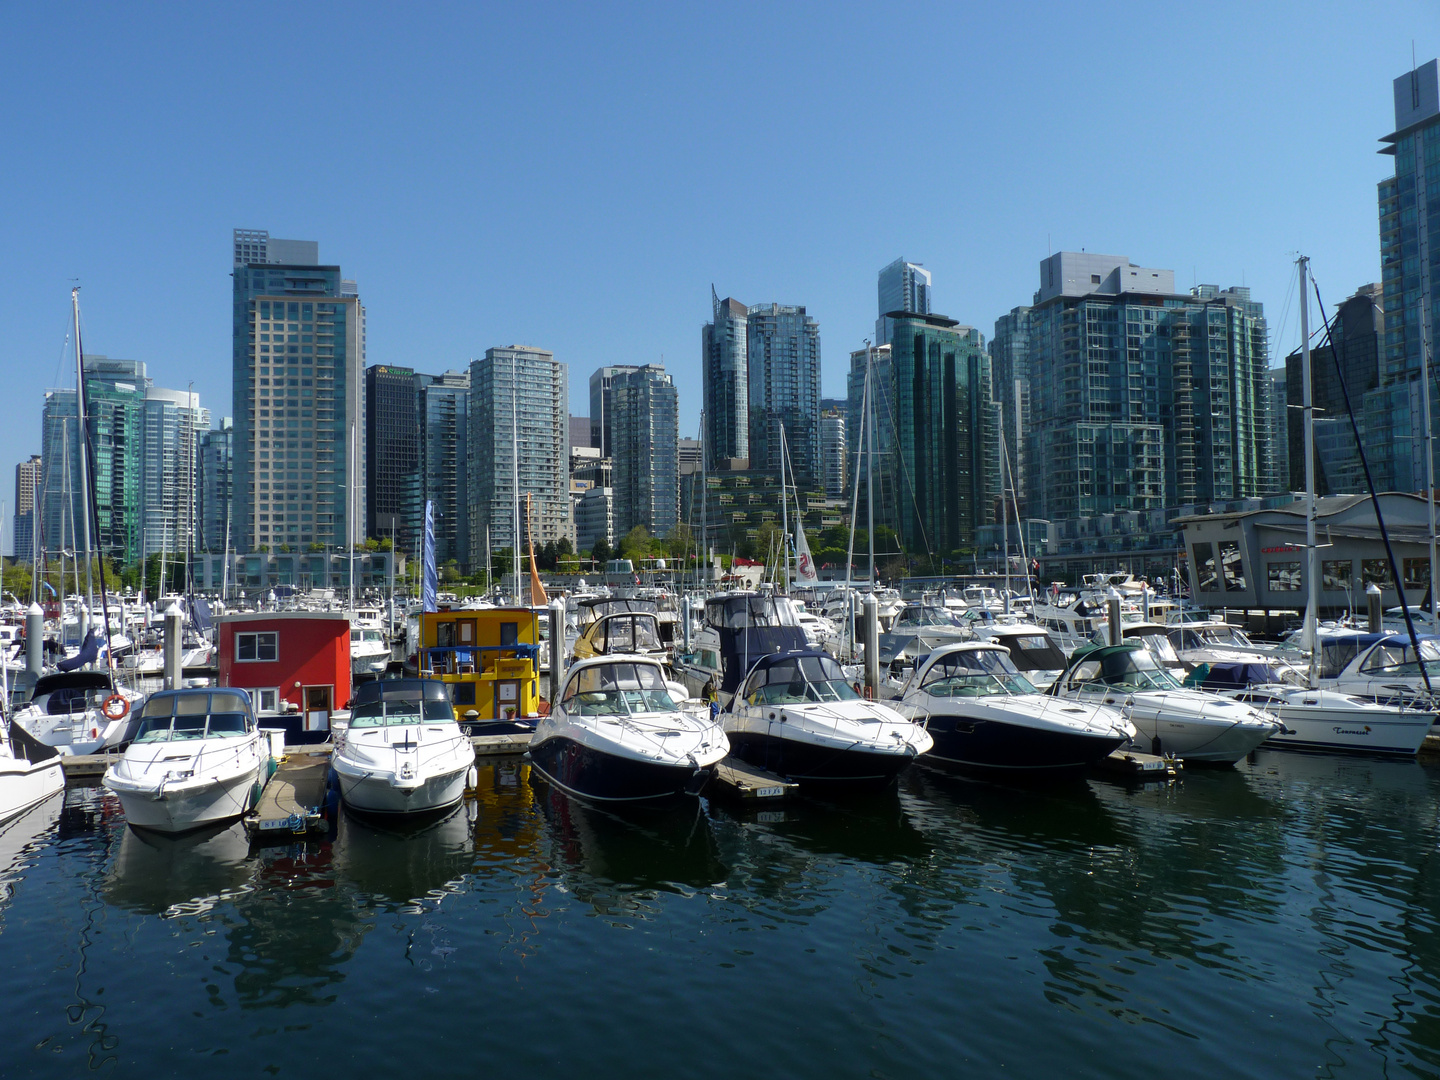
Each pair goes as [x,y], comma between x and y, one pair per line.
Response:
[472,778]
[115,707]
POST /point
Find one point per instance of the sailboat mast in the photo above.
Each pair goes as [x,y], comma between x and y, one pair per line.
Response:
[784,516]
[80,442]
[1429,466]
[870,472]
[1312,553]
[515,461]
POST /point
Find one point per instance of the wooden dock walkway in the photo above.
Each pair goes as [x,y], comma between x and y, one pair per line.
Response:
[735,779]
[290,806]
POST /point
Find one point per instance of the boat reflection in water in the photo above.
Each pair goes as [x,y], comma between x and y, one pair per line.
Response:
[18,836]
[864,826]
[158,874]
[605,852]
[404,863]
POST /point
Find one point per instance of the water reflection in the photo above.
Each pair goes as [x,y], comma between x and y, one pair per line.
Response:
[404,863]
[156,874]
[20,838]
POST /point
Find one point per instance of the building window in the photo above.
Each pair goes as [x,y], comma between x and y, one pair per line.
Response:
[1376,572]
[1417,573]
[259,646]
[1232,566]
[1283,576]
[267,700]
[1206,577]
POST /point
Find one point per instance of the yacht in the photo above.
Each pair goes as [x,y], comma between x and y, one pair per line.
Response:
[29,775]
[1033,650]
[198,758]
[798,716]
[1169,718]
[619,734]
[369,652]
[739,627]
[402,751]
[79,712]
[983,714]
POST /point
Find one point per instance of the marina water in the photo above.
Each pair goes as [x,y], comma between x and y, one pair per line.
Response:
[1277,919]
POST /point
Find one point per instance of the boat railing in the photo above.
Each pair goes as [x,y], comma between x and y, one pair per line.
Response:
[469,659]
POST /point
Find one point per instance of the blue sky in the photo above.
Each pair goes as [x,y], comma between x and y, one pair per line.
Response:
[576,176]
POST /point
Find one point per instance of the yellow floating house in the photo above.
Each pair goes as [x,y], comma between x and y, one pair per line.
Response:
[489,658]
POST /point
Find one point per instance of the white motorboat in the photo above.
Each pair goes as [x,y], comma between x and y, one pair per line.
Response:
[29,775]
[798,716]
[1033,650]
[619,734]
[369,652]
[198,758]
[983,714]
[1323,719]
[1197,726]
[79,712]
[402,751]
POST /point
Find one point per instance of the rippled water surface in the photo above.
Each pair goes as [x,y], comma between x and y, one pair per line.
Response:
[1276,920]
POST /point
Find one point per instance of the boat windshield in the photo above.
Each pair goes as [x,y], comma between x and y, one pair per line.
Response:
[975,673]
[400,707]
[617,690]
[1132,669]
[176,717]
[926,615]
[1034,652]
[631,633]
[1225,635]
[797,681]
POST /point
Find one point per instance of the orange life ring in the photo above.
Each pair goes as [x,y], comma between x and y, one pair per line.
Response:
[115,707]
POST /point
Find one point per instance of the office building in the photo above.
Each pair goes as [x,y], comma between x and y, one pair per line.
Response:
[580,433]
[1141,397]
[217,479]
[257,246]
[783,375]
[169,470]
[392,455]
[902,286]
[297,376]
[1010,370]
[1357,343]
[595,518]
[1279,445]
[1409,250]
[943,464]
[27,486]
[518,396]
[444,463]
[725,374]
[644,426]
[601,405]
[872,428]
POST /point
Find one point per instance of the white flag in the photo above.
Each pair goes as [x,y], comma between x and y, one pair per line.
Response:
[804,565]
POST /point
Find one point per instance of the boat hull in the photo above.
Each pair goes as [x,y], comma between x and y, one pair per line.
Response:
[24,784]
[817,762]
[190,805]
[1332,731]
[963,742]
[374,793]
[594,774]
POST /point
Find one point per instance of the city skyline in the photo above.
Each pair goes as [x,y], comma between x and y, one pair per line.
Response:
[812,231]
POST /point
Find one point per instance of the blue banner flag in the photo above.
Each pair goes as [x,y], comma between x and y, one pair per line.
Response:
[432,581]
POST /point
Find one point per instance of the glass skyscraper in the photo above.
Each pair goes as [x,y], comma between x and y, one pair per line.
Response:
[645,470]
[726,377]
[392,454]
[902,286]
[444,456]
[1409,265]
[783,376]
[217,481]
[298,352]
[602,404]
[27,485]
[1010,367]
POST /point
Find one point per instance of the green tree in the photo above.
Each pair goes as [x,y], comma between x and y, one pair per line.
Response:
[679,541]
[601,552]
[636,544]
[769,542]
[386,544]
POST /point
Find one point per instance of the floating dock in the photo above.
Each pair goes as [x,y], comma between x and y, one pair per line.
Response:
[1140,766]
[290,806]
[737,780]
[496,745]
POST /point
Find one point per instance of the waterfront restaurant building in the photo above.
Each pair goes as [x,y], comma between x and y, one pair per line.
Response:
[1256,558]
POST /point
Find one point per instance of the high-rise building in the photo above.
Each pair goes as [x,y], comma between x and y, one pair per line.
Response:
[257,246]
[580,431]
[1279,446]
[1357,342]
[725,373]
[874,429]
[170,470]
[902,286]
[1409,205]
[27,485]
[645,431]
[217,479]
[943,416]
[1141,397]
[833,451]
[518,390]
[1010,369]
[392,454]
[444,457]
[595,518]
[298,382]
[783,374]
[602,406]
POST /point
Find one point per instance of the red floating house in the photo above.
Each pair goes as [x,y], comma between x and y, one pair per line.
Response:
[296,665]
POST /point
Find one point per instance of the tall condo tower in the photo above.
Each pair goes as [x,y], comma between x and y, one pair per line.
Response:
[783,367]
[725,371]
[903,286]
[646,460]
[297,378]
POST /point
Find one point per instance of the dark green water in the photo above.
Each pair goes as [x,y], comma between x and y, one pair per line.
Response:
[1274,920]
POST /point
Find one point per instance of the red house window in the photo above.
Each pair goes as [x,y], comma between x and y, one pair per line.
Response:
[261,645]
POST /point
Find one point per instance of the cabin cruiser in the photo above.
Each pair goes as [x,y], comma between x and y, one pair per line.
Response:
[739,627]
[1168,717]
[79,712]
[619,734]
[402,751]
[1214,643]
[369,652]
[198,758]
[1033,651]
[1321,719]
[797,715]
[983,714]
[625,632]
[1381,666]
[29,774]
